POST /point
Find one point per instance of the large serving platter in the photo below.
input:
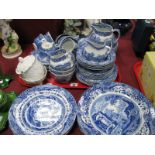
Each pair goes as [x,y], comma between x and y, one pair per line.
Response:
[46,109]
[115,108]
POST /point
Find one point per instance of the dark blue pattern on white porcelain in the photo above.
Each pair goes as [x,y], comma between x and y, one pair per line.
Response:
[89,80]
[115,108]
[102,31]
[97,75]
[42,57]
[63,63]
[86,62]
[43,109]
[42,38]
[59,40]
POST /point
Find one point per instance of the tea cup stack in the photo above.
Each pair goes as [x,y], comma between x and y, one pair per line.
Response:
[62,65]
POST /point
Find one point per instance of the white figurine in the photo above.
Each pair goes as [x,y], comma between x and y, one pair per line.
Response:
[11,48]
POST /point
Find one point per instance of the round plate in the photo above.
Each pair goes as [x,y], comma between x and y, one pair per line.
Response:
[46,109]
[115,108]
[90,81]
[96,75]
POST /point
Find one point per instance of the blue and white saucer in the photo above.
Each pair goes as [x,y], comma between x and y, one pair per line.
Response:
[115,109]
[43,110]
[90,81]
[98,75]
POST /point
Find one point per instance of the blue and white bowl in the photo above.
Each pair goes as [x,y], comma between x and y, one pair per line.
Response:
[115,109]
[63,77]
[43,110]
[62,62]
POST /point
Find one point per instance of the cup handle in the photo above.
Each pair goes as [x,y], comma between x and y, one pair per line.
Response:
[118,33]
[35,46]
[109,47]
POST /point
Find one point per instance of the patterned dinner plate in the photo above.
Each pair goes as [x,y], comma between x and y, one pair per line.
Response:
[115,109]
[46,109]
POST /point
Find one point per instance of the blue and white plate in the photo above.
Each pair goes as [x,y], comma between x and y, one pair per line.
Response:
[115,109]
[90,81]
[43,110]
[99,75]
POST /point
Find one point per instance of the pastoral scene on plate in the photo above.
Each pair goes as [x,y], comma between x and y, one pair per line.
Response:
[77,77]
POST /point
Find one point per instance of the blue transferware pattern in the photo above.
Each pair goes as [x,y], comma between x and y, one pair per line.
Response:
[62,72]
[96,75]
[107,70]
[45,109]
[69,43]
[115,108]
[63,77]
[42,38]
[59,40]
[43,55]
[97,65]
[96,52]
[101,31]
[63,63]
[91,81]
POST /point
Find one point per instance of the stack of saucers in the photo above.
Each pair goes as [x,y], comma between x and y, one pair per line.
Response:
[95,62]
[62,65]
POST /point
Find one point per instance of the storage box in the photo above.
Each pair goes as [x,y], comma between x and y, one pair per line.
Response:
[147,75]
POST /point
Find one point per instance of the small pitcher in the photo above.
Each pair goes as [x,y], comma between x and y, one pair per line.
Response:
[102,31]
[96,52]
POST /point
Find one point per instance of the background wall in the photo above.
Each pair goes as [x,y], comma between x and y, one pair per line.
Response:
[28,29]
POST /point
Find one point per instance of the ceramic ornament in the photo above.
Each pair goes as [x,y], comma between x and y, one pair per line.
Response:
[11,48]
[31,70]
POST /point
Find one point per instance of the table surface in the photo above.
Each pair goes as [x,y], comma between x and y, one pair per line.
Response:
[125,57]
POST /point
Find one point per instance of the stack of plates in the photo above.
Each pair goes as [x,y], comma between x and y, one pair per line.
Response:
[91,72]
[115,108]
[43,110]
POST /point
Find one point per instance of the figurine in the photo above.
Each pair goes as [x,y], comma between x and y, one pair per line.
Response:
[72,27]
[11,48]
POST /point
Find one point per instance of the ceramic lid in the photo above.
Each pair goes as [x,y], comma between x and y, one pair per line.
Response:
[24,64]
